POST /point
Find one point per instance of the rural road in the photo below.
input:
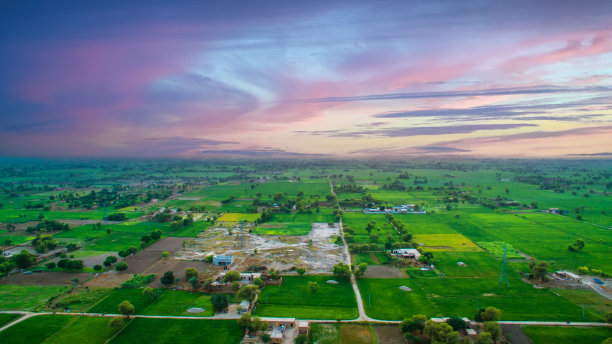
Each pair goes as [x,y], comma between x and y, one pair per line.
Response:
[362,314]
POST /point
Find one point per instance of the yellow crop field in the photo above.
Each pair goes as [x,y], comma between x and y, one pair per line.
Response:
[236,217]
[446,242]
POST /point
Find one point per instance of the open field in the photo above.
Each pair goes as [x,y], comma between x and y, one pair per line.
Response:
[358,334]
[325,334]
[83,330]
[110,303]
[7,318]
[293,297]
[179,331]
[563,335]
[445,242]
[458,297]
[16,297]
[36,330]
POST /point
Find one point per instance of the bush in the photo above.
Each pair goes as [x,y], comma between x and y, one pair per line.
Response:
[116,323]
[138,281]
[117,217]
[168,278]
[97,267]
[121,266]
[219,302]
[50,265]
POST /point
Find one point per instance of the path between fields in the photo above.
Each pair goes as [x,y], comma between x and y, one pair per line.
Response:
[362,314]
[28,315]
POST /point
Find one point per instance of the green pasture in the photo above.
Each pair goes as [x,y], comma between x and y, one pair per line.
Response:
[293,299]
[179,331]
[26,298]
[177,303]
[36,330]
[459,297]
[110,303]
[477,264]
[563,335]
[83,330]
[6,318]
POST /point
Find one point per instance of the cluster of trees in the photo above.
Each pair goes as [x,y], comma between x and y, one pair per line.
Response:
[43,243]
[48,226]
[180,222]
[577,246]
[539,270]
[68,264]
[418,329]
[117,217]
[344,271]
[6,265]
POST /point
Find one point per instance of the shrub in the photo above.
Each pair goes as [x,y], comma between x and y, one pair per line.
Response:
[121,266]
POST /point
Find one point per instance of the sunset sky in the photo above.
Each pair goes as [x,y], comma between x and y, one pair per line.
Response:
[294,78]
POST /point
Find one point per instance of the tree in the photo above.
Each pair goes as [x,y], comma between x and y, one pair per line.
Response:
[341,270]
[491,314]
[126,308]
[608,317]
[167,279]
[121,266]
[231,276]
[301,271]
[538,270]
[115,323]
[150,292]
[456,323]
[413,324]
[124,254]
[191,272]
[453,338]
[437,331]
[24,259]
[235,285]
[248,292]
[219,302]
[313,287]
[97,267]
[493,328]
[194,282]
[156,234]
[484,338]
[301,339]
[50,265]
[266,338]
[259,282]
[273,274]
[361,270]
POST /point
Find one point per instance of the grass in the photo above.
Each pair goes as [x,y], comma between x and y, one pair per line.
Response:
[26,298]
[193,230]
[496,248]
[363,257]
[357,334]
[179,331]
[478,264]
[36,329]
[83,330]
[292,298]
[203,301]
[110,303]
[83,300]
[445,242]
[171,303]
[563,335]
[5,318]
[587,297]
[325,334]
[458,297]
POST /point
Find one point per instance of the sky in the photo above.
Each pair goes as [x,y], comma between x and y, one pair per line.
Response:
[305,78]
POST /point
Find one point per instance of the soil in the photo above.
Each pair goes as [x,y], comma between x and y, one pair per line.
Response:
[316,251]
[109,279]
[389,334]
[383,271]
[515,332]
[45,278]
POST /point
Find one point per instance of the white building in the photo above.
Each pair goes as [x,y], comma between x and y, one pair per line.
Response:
[411,253]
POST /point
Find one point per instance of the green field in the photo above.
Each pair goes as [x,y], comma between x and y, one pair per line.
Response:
[36,329]
[110,303]
[293,299]
[177,303]
[179,331]
[563,335]
[83,330]
[458,297]
[26,298]
[5,318]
